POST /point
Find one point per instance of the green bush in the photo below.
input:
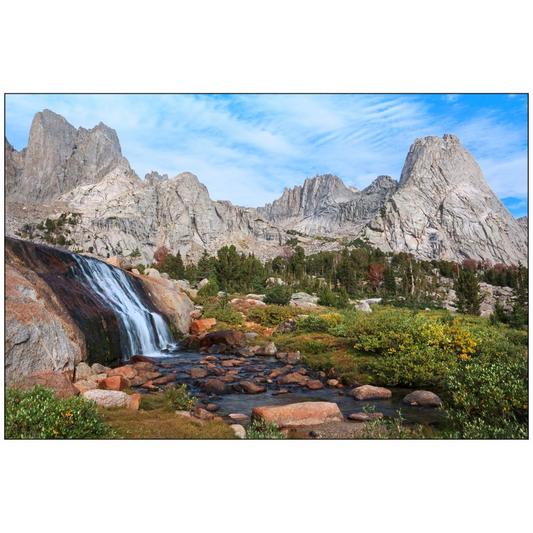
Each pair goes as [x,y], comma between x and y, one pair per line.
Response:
[280,295]
[261,429]
[179,399]
[321,323]
[38,414]
[222,312]
[488,400]
[209,290]
[328,298]
[271,316]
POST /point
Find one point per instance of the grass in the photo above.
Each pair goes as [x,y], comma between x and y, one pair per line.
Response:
[154,421]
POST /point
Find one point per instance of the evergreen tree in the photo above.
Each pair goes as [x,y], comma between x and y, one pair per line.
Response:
[467,290]
[389,281]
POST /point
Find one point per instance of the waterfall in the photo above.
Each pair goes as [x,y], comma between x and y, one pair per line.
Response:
[142,331]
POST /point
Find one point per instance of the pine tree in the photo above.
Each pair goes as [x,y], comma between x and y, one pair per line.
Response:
[389,281]
[467,290]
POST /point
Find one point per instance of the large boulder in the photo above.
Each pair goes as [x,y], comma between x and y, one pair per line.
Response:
[169,300]
[304,300]
[267,349]
[39,332]
[120,261]
[199,326]
[422,398]
[108,398]
[85,372]
[61,384]
[299,414]
[235,339]
[368,392]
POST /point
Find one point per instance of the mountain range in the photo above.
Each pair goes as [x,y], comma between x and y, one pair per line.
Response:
[441,208]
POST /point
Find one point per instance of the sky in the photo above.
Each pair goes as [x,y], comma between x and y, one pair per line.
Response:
[247,148]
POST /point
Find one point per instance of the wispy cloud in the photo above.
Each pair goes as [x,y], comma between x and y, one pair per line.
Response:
[247,148]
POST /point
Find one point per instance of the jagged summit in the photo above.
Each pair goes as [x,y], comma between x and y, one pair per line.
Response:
[59,158]
[442,207]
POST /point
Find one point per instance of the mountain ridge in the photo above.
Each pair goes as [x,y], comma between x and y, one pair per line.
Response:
[441,208]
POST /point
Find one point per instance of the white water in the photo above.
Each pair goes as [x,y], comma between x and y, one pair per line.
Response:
[142,332]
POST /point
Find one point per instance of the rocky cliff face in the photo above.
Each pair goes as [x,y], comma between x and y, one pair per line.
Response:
[59,158]
[444,209]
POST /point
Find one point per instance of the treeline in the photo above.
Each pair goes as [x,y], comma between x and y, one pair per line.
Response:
[355,273]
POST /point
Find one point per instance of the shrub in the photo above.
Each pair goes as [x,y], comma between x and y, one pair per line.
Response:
[179,399]
[261,429]
[328,298]
[211,289]
[488,400]
[320,323]
[280,295]
[38,414]
[270,315]
[222,312]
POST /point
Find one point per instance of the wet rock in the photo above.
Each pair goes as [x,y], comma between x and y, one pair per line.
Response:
[211,358]
[199,326]
[365,417]
[212,407]
[368,392]
[140,359]
[164,380]
[116,383]
[61,385]
[215,386]
[198,373]
[249,387]
[124,371]
[108,398]
[217,348]
[321,374]
[314,384]
[302,371]
[231,362]
[239,430]
[299,414]
[238,416]
[213,370]
[203,414]
[332,382]
[276,373]
[295,377]
[280,391]
[245,352]
[291,358]
[143,366]
[229,378]
[422,398]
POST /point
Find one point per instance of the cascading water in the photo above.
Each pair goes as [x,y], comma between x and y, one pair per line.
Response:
[141,330]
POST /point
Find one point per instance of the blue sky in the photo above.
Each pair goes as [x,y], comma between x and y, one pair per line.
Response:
[247,148]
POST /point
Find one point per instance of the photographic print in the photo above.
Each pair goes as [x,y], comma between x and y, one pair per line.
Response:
[266,266]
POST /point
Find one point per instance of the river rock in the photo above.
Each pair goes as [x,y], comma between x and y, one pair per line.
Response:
[114,383]
[299,414]
[291,358]
[59,383]
[215,386]
[198,373]
[267,349]
[239,430]
[249,387]
[232,338]
[108,398]
[125,371]
[169,378]
[314,384]
[85,385]
[422,398]
[365,417]
[143,366]
[368,392]
[295,377]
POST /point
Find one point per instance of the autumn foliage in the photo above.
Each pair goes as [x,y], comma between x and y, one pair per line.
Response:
[375,276]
